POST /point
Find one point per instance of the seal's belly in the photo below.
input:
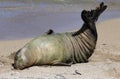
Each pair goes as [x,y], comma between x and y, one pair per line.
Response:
[50,48]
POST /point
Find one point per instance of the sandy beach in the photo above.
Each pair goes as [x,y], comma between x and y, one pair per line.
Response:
[103,64]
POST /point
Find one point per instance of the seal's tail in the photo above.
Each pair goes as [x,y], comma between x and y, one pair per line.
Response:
[93,15]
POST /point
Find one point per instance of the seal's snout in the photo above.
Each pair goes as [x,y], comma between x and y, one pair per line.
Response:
[15,66]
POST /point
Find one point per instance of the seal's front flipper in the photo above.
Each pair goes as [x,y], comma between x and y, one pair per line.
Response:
[49,32]
[67,63]
[62,64]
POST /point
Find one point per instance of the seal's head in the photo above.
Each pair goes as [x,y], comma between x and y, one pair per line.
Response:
[20,60]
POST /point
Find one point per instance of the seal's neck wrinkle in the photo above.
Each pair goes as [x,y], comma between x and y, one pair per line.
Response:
[87,26]
[84,43]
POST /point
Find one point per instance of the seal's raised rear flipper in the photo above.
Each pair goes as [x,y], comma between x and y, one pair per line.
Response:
[93,15]
[96,13]
[89,18]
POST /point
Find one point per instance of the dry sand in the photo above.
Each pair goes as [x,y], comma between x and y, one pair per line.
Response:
[104,63]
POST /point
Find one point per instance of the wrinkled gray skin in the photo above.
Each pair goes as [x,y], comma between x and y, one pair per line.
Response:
[62,48]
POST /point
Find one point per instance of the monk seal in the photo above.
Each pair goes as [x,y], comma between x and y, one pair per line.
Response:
[61,48]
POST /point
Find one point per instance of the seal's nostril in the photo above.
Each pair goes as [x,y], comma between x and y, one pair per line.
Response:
[13,64]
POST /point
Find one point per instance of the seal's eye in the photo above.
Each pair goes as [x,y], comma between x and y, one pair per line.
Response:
[19,58]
